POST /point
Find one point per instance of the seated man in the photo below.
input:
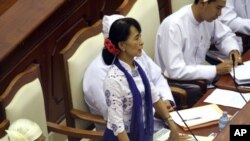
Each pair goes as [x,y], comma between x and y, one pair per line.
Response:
[97,71]
[236,15]
[25,130]
[184,38]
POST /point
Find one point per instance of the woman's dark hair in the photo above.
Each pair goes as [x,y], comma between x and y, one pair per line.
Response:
[119,31]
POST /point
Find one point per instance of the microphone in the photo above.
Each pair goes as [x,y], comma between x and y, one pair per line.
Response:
[234,79]
[189,130]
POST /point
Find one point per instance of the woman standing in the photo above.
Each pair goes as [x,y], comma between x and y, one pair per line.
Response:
[130,95]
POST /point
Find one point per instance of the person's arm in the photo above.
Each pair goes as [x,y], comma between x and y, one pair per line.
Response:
[113,94]
[231,18]
[224,67]
[169,55]
[123,136]
[225,41]
[156,77]
[174,135]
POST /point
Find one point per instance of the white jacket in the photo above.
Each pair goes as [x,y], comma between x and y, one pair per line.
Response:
[236,15]
[182,44]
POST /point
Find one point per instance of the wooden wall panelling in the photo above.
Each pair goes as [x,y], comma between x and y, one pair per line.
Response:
[165,8]
[104,7]
[38,47]
[3,125]
[36,32]
[69,23]
[125,7]
[5,5]
[15,26]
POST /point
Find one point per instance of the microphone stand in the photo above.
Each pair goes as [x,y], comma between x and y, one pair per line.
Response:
[234,79]
[186,125]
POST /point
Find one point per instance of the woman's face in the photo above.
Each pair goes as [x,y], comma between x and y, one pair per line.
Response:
[134,44]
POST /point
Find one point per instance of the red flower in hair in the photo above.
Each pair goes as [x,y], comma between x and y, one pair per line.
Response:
[111,47]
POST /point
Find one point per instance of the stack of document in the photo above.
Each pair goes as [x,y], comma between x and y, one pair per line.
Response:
[198,117]
[163,134]
[242,75]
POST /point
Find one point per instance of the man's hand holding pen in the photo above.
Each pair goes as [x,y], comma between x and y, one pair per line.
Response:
[226,66]
[237,57]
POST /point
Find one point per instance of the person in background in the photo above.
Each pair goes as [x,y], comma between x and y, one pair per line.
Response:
[236,15]
[93,86]
[184,38]
[129,93]
[25,130]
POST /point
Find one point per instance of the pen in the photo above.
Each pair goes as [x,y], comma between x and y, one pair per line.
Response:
[220,59]
[192,118]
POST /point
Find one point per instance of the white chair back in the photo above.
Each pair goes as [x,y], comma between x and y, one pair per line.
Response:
[147,14]
[28,103]
[77,65]
[23,98]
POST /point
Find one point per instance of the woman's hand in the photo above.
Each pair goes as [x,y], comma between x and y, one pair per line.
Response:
[169,106]
[175,135]
[178,137]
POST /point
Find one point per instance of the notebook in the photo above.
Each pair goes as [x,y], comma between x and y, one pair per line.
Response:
[242,73]
[198,116]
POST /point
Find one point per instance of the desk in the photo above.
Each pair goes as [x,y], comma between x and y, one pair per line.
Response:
[226,81]
[205,131]
[242,118]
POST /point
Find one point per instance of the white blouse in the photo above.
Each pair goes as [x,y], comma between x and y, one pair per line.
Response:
[119,98]
[97,71]
[236,15]
[182,43]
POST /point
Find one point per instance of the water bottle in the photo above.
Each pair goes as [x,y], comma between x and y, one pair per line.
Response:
[223,121]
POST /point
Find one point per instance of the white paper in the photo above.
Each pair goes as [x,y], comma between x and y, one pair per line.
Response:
[242,73]
[227,98]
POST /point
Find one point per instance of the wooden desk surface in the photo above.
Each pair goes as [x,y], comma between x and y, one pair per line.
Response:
[226,81]
[205,131]
[242,118]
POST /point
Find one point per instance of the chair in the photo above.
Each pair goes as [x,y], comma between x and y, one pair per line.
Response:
[23,98]
[3,126]
[76,56]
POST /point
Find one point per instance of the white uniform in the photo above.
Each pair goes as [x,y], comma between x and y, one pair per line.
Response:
[182,44]
[95,75]
[236,15]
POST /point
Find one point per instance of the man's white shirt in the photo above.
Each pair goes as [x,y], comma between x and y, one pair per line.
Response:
[182,43]
[236,15]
